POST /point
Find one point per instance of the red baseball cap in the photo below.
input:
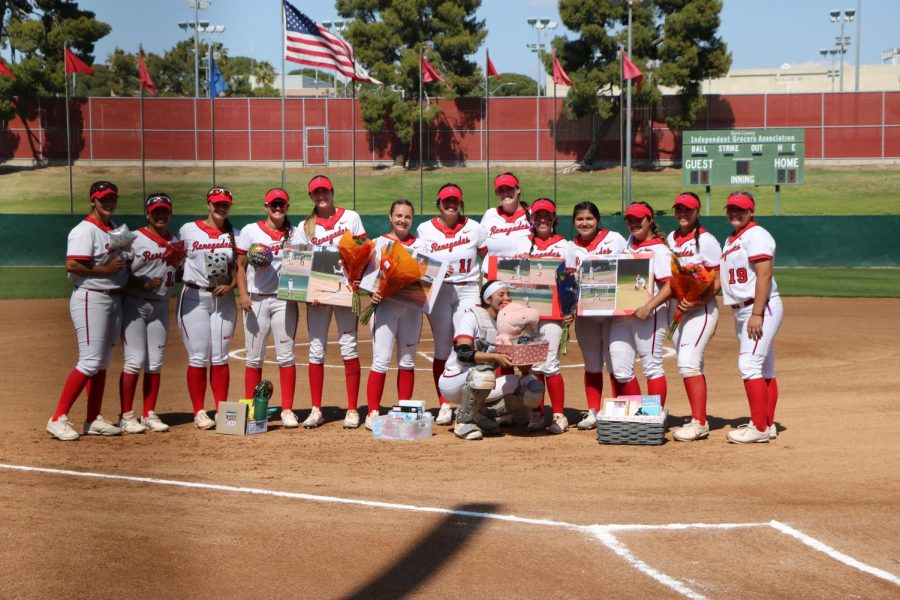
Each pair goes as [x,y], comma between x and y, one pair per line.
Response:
[638,211]
[451,191]
[102,189]
[687,201]
[741,200]
[505,180]
[219,194]
[543,204]
[320,182]
[158,201]
[276,194]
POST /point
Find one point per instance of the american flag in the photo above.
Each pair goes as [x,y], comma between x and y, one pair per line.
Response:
[308,43]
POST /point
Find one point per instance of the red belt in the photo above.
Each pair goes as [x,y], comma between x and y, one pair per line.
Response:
[743,304]
[194,286]
[116,292]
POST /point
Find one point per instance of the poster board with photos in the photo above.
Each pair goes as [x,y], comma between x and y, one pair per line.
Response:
[613,284]
[531,281]
[309,274]
[421,295]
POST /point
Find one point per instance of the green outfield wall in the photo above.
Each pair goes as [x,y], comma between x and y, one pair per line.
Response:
[813,241]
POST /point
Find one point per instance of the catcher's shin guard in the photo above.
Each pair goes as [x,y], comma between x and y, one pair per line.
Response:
[480,381]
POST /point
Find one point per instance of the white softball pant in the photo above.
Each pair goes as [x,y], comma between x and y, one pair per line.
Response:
[393,322]
[268,313]
[318,319]
[451,386]
[692,336]
[757,357]
[593,340]
[631,338]
[145,331]
[97,318]
[551,332]
[452,302]
[206,323]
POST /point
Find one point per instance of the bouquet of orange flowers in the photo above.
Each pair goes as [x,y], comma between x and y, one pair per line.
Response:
[398,269]
[355,256]
[689,282]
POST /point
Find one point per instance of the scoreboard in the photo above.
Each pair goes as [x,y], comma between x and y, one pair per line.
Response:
[743,157]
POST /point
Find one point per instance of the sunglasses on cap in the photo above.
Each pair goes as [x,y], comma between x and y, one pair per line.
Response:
[101,189]
[218,191]
[158,201]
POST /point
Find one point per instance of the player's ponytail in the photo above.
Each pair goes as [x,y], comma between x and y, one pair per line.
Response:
[229,229]
[288,228]
[655,230]
[697,235]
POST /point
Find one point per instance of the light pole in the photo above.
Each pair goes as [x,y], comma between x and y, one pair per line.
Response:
[194,26]
[845,16]
[339,25]
[540,24]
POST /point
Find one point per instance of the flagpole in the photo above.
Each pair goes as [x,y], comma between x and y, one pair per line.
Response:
[68,142]
[621,132]
[353,135]
[421,173]
[143,173]
[212,114]
[283,76]
[555,117]
[628,123]
[487,121]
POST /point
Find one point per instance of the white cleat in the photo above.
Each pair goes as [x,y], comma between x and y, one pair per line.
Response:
[101,426]
[314,419]
[62,430]
[129,424]
[154,423]
[289,419]
[202,420]
[445,415]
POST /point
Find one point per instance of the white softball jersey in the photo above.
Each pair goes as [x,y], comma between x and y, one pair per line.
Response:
[708,255]
[459,246]
[605,242]
[89,241]
[506,235]
[147,263]
[742,249]
[660,264]
[329,231]
[200,239]
[553,247]
[261,281]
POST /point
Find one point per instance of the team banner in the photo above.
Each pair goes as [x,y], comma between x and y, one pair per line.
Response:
[309,274]
[614,284]
[531,281]
[422,294]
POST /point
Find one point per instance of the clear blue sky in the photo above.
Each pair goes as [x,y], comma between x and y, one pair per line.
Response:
[759,33]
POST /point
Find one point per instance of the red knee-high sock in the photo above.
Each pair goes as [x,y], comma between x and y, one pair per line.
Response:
[219,378]
[374,390]
[772,388]
[758,397]
[406,382]
[630,388]
[437,369]
[351,378]
[252,377]
[658,387]
[316,381]
[614,386]
[540,377]
[151,392]
[556,388]
[696,392]
[95,388]
[288,377]
[593,389]
[196,382]
[127,387]
[75,383]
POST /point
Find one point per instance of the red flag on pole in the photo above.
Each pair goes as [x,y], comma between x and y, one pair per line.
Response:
[76,65]
[146,82]
[4,70]
[559,74]
[491,71]
[429,74]
[630,71]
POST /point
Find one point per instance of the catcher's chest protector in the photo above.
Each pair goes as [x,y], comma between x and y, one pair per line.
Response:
[487,330]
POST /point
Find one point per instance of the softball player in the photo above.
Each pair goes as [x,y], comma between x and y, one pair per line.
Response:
[393,322]
[206,307]
[470,377]
[694,246]
[263,312]
[748,287]
[324,228]
[96,309]
[592,332]
[145,310]
[507,227]
[458,240]
[642,335]
[546,243]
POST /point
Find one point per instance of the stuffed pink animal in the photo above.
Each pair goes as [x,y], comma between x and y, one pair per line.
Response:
[514,320]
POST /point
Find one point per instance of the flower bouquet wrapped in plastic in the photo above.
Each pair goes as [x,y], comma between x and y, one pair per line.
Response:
[355,256]
[689,283]
[174,254]
[398,269]
[567,291]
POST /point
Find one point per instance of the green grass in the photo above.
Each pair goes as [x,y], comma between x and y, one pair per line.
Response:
[50,282]
[828,191]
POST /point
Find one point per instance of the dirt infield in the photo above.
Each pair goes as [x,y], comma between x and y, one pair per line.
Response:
[330,513]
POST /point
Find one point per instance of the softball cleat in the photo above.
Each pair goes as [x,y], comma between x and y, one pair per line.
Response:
[445,415]
[559,424]
[314,419]
[101,426]
[289,420]
[351,421]
[692,431]
[202,420]
[154,423]
[748,434]
[62,430]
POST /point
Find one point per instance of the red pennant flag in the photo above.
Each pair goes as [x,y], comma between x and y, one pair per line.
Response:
[76,65]
[631,72]
[4,70]
[491,71]
[429,74]
[146,82]
[559,75]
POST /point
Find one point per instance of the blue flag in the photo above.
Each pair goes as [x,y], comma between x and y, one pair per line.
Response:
[217,84]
